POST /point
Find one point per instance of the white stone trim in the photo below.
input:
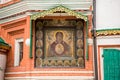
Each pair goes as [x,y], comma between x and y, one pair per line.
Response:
[53,77]
[108,40]
[25,5]
[107,37]
[4,1]
[13,18]
[101,64]
[16,53]
[13,9]
[30,13]
[90,41]
[36,72]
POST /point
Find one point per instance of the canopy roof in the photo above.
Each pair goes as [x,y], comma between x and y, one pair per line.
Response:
[58,8]
[4,45]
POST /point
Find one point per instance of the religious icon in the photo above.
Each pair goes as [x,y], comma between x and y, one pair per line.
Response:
[80,52]
[59,47]
[80,62]
[79,25]
[59,43]
[79,43]
[79,34]
[39,52]
[39,34]
[39,43]
[38,62]
[39,25]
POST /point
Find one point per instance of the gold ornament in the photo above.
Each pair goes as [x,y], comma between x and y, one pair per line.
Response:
[58,8]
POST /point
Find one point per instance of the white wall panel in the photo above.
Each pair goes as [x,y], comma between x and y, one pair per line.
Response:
[110,40]
[107,14]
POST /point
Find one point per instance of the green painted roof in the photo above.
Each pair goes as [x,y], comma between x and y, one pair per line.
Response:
[3,43]
[1,40]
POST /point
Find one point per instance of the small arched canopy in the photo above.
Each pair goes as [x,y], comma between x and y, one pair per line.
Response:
[58,8]
[4,45]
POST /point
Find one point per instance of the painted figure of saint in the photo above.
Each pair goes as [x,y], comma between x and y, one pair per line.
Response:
[59,47]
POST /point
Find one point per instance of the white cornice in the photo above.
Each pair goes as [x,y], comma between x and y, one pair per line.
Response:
[108,40]
[46,4]
[38,72]
[30,13]
[26,5]
[13,9]
[13,18]
[51,78]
